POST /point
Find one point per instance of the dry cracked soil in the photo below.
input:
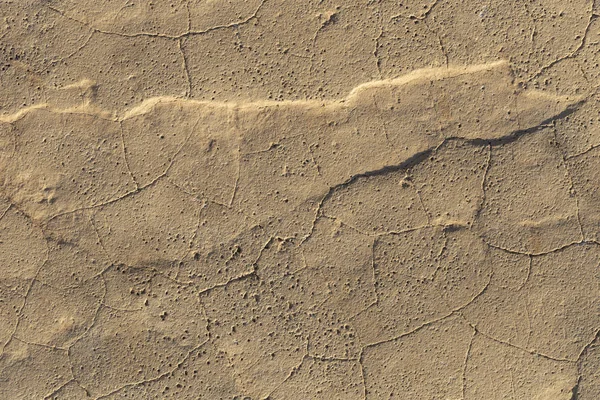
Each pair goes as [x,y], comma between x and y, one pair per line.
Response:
[308,199]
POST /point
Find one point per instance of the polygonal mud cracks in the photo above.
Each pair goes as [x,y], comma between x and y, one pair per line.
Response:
[389,242]
[586,180]
[422,276]
[281,180]
[59,317]
[23,249]
[528,205]
[424,365]
[377,205]
[589,369]
[449,182]
[146,342]
[66,161]
[261,338]
[204,371]
[315,379]
[341,262]
[47,370]
[153,227]
[76,253]
[495,369]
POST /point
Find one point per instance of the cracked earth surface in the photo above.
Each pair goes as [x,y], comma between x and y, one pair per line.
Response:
[318,200]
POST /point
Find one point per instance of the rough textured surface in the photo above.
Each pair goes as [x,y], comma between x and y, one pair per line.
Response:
[265,199]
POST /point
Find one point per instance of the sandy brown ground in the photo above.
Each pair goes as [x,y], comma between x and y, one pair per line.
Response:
[268,199]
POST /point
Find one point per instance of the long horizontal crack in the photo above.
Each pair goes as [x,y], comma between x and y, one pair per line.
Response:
[158,34]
